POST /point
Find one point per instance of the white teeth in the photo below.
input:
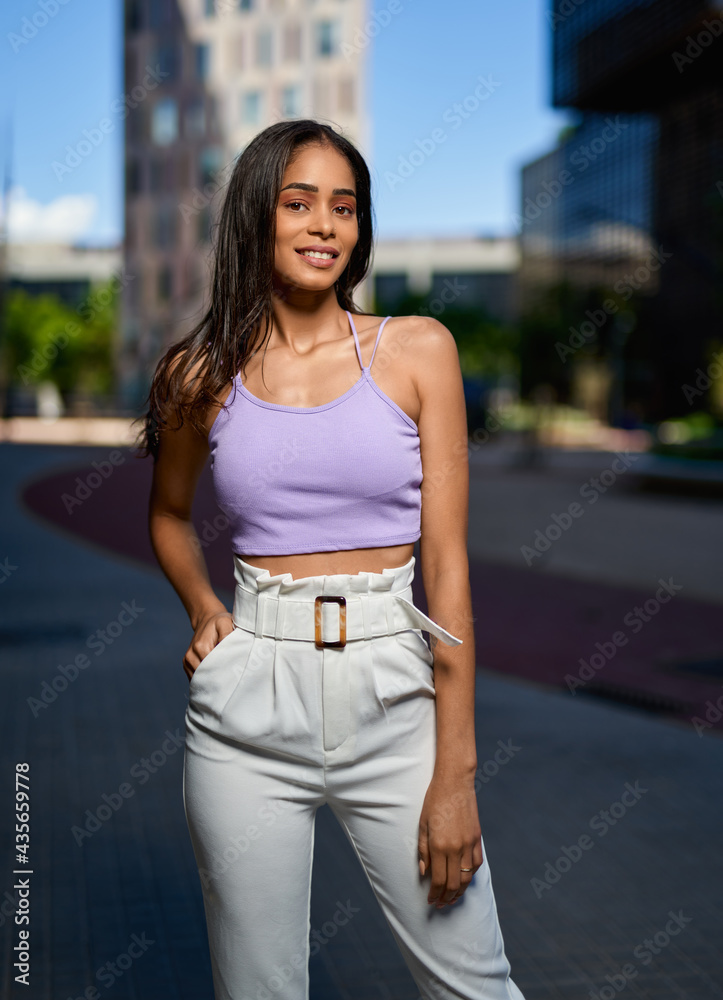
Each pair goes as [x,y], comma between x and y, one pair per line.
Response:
[316,253]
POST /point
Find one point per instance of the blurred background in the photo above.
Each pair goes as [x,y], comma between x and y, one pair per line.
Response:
[548,182]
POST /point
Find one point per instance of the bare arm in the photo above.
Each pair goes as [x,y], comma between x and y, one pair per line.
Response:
[450,835]
[181,458]
[443,546]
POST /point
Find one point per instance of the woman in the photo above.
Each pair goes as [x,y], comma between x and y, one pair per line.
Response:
[319,686]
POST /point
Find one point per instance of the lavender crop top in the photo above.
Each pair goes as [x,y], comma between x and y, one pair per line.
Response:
[294,479]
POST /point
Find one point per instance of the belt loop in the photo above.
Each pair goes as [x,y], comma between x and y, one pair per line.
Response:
[280,619]
[364,598]
[260,603]
[389,608]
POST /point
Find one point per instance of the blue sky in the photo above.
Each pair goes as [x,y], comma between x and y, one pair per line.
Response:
[462,167]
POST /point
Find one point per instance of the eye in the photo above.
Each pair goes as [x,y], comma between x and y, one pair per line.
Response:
[346,209]
[291,203]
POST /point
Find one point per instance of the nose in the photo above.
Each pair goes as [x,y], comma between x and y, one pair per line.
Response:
[322,222]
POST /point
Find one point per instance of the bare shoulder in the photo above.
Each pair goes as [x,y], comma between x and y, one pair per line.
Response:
[428,341]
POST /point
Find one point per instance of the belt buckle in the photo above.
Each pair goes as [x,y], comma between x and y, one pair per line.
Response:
[329,599]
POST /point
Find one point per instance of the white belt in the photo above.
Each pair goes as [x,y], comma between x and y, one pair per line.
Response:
[361,616]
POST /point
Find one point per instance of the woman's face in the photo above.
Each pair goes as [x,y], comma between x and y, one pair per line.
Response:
[316,209]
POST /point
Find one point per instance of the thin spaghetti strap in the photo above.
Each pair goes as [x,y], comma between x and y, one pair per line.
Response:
[379,334]
[356,339]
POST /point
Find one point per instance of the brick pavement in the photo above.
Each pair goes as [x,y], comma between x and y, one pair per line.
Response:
[135,875]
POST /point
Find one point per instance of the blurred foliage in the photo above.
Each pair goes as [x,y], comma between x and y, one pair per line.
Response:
[487,348]
[698,435]
[551,339]
[46,340]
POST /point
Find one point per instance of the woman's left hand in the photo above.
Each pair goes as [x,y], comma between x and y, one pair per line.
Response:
[450,838]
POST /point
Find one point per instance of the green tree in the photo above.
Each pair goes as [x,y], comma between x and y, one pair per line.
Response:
[487,348]
[46,340]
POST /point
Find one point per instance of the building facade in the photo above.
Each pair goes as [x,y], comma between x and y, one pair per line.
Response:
[202,78]
[460,272]
[632,198]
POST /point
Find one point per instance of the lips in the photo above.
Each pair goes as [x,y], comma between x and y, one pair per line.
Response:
[306,251]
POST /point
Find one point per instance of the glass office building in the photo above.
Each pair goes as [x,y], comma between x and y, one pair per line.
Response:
[640,175]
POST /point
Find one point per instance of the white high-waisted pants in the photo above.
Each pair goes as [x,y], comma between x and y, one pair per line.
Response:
[277,727]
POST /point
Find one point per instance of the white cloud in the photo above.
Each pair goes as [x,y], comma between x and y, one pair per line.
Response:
[63,220]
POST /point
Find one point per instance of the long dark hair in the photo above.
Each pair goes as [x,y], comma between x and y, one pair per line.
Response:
[242,286]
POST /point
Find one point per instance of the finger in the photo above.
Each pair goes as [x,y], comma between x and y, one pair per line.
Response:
[477,856]
[439,878]
[465,877]
[423,850]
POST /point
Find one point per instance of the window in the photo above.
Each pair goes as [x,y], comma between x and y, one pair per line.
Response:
[195,120]
[165,57]
[159,13]
[134,183]
[164,230]
[263,48]
[291,102]
[164,122]
[251,107]
[134,16]
[326,38]
[203,61]
[245,4]
[211,165]
[137,124]
[156,176]
[209,8]
[292,43]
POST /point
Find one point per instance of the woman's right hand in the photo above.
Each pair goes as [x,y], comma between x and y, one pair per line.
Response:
[209,633]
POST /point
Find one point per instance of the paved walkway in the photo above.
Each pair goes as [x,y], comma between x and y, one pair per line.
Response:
[602,828]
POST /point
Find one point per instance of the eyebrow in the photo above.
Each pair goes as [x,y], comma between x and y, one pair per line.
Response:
[312,187]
